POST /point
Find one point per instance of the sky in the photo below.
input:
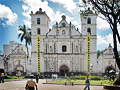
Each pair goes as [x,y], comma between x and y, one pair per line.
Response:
[14,13]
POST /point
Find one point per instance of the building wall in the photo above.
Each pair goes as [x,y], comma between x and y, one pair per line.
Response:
[51,41]
[17,59]
[107,59]
[1,62]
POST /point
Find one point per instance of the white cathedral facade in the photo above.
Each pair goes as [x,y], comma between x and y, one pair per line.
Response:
[63,49]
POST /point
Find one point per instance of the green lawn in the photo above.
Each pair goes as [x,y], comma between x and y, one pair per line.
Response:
[92,82]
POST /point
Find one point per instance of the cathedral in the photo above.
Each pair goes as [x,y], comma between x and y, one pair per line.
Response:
[63,49]
[60,50]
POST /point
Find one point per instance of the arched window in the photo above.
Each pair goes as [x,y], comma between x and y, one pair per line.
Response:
[76,48]
[63,24]
[89,31]
[38,31]
[38,20]
[63,32]
[51,48]
[57,32]
[89,21]
[64,48]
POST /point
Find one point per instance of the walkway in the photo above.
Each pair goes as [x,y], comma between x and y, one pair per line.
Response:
[20,85]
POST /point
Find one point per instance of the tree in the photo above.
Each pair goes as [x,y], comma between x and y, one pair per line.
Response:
[99,53]
[25,35]
[110,9]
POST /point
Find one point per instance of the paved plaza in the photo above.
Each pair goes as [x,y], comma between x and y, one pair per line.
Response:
[20,85]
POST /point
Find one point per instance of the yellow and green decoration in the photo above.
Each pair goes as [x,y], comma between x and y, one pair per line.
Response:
[88,54]
[38,52]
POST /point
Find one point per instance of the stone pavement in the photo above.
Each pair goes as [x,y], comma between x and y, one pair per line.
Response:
[20,85]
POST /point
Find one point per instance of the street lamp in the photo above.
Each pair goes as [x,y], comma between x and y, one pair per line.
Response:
[91,67]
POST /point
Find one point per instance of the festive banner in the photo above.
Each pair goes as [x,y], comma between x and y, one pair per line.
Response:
[88,54]
[38,52]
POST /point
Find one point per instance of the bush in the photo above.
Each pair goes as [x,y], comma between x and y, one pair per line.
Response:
[96,78]
[77,77]
[83,77]
[8,77]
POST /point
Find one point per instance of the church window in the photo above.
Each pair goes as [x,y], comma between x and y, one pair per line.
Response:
[38,31]
[57,32]
[76,48]
[63,24]
[89,21]
[51,48]
[89,31]
[19,62]
[63,32]
[38,20]
[109,62]
[64,48]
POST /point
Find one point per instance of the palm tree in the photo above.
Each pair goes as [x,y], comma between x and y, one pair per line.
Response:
[25,35]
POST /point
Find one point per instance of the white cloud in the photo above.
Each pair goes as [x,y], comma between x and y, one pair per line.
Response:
[105,40]
[34,5]
[27,23]
[7,15]
[31,5]
[70,5]
[102,24]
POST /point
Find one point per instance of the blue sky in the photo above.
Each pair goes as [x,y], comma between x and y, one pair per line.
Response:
[16,12]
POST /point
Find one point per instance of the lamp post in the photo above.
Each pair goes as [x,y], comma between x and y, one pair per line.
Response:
[91,67]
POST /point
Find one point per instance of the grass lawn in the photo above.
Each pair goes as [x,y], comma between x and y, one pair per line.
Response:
[92,82]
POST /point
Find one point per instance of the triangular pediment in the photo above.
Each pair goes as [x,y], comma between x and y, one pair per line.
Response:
[63,28]
[18,51]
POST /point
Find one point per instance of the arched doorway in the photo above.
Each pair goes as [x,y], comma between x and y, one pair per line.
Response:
[108,69]
[63,70]
[19,70]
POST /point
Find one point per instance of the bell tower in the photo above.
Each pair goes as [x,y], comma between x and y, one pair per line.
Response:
[88,27]
[89,23]
[39,29]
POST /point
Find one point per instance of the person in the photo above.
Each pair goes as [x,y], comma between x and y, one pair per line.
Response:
[37,77]
[87,82]
[2,77]
[105,77]
[30,85]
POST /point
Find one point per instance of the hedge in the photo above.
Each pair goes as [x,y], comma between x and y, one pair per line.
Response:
[9,77]
[83,77]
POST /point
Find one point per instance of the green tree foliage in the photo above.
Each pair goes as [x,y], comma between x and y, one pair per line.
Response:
[99,53]
[25,34]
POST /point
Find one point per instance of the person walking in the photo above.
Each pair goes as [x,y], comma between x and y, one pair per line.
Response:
[87,82]
[30,85]
[37,77]
[2,78]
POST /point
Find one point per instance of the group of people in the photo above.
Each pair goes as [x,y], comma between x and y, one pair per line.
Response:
[1,77]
